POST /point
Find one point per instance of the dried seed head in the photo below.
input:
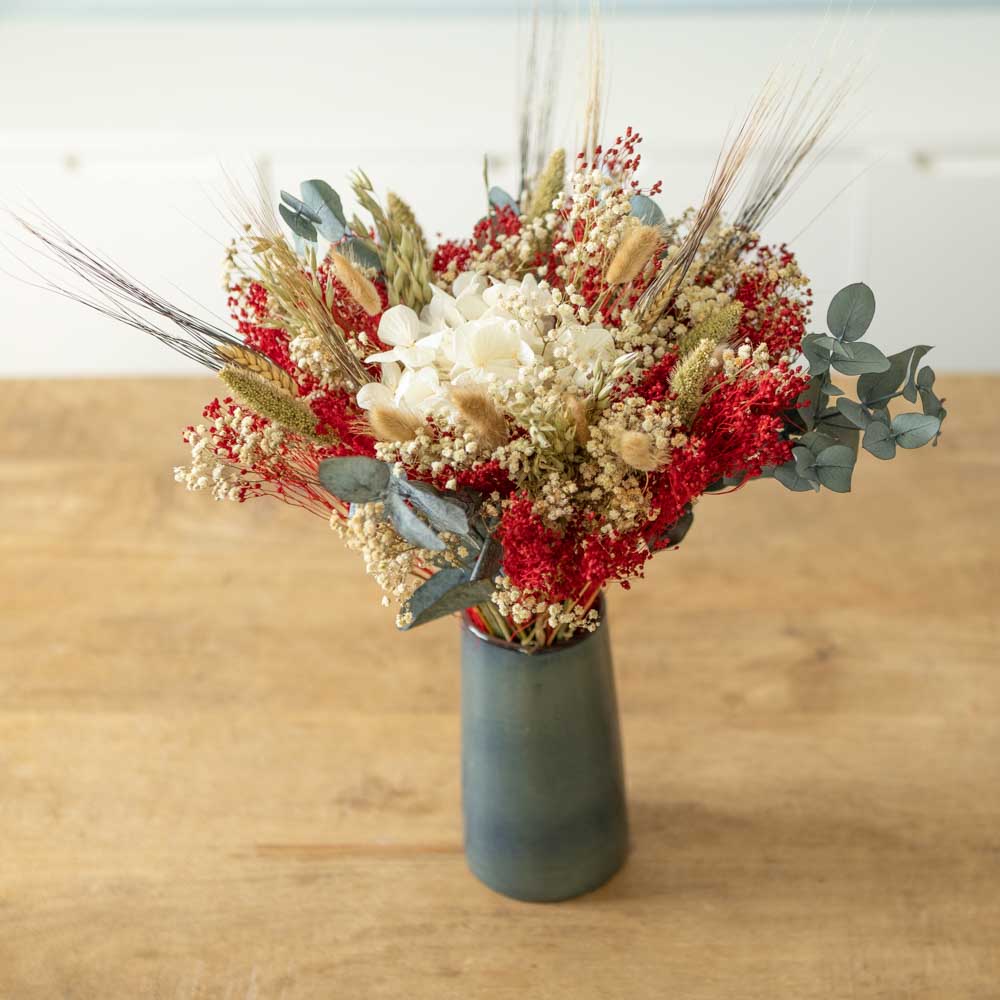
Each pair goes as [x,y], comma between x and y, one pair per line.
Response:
[578,417]
[389,423]
[401,217]
[358,286]
[482,414]
[637,450]
[257,363]
[718,328]
[547,185]
[633,254]
[688,380]
[271,401]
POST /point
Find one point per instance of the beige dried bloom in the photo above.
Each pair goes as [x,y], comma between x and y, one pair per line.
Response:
[636,448]
[390,423]
[634,252]
[358,286]
[578,416]
[483,416]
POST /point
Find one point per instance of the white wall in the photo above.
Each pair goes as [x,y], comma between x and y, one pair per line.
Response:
[119,131]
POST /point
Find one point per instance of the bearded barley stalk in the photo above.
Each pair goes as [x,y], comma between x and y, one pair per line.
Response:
[270,401]
[660,294]
[299,304]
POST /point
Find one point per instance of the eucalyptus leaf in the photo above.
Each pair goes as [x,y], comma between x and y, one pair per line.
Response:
[929,401]
[816,441]
[912,430]
[646,210]
[789,477]
[299,207]
[837,431]
[851,312]
[861,359]
[877,389]
[327,208]
[499,198]
[488,562]
[298,224]
[817,348]
[854,412]
[447,591]
[834,466]
[355,478]
[879,440]
[444,513]
[805,463]
[409,525]
[814,400]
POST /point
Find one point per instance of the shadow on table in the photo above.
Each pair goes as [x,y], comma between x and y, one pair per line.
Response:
[685,847]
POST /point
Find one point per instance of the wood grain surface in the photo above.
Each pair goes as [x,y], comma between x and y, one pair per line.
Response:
[224,774]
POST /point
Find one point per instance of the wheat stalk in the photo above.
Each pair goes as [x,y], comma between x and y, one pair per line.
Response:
[258,364]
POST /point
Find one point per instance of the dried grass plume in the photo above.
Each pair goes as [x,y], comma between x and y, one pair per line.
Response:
[389,423]
[358,286]
[482,414]
[634,252]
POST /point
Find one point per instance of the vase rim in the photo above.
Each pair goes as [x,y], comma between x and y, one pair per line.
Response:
[600,605]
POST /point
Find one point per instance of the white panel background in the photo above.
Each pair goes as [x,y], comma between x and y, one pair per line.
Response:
[120,132]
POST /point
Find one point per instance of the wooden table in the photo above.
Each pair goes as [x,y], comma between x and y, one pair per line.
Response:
[224,774]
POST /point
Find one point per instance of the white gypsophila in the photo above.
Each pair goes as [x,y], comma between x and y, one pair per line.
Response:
[208,471]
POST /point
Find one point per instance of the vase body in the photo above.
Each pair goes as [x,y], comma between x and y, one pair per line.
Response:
[543,791]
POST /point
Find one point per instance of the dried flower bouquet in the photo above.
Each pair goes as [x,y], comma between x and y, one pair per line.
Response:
[508,422]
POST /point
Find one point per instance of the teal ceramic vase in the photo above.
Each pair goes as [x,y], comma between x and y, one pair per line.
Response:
[543,791]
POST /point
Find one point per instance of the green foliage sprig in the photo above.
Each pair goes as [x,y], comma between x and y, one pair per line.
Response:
[419,513]
[825,437]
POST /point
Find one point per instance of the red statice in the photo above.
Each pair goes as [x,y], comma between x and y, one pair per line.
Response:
[738,432]
[773,315]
